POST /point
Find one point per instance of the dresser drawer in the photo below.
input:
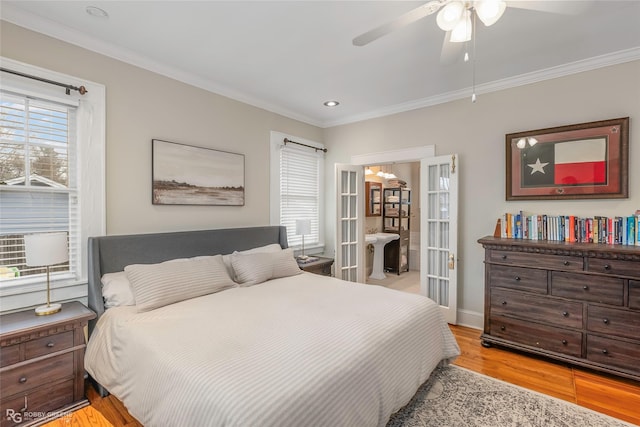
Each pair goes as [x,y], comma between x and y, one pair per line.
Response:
[46,345]
[536,307]
[634,294]
[612,321]
[9,355]
[526,279]
[606,290]
[610,352]
[44,399]
[614,267]
[556,262]
[539,336]
[30,375]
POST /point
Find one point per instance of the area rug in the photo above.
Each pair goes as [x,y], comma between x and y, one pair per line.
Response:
[457,397]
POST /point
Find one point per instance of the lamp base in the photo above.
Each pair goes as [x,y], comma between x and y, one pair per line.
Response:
[45,310]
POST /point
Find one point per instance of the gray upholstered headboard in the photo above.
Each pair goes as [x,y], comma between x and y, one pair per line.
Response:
[110,254]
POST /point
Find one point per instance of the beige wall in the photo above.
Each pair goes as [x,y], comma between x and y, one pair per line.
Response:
[142,105]
[477,133]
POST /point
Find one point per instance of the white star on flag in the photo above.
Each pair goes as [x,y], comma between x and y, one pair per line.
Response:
[537,166]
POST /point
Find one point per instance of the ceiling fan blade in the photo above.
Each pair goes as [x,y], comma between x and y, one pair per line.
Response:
[573,7]
[402,21]
[451,52]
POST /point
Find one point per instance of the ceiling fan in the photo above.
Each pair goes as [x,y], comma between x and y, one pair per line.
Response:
[455,17]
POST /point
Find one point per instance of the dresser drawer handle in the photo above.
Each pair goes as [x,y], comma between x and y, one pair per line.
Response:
[607,267]
[585,287]
[517,278]
[22,380]
[51,344]
[564,342]
[504,257]
[565,313]
[566,263]
[502,328]
[504,303]
[605,321]
[605,351]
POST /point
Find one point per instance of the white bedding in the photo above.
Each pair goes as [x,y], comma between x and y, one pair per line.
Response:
[305,350]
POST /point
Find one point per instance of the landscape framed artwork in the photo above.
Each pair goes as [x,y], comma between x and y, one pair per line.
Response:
[581,161]
[188,175]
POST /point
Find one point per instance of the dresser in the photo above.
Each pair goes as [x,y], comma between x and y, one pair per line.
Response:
[42,363]
[574,302]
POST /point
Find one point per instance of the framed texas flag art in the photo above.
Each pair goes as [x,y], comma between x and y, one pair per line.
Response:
[582,161]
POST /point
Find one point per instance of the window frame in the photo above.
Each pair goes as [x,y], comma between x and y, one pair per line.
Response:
[91,178]
[276,143]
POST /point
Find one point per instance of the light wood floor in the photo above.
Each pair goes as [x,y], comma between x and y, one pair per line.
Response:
[614,396]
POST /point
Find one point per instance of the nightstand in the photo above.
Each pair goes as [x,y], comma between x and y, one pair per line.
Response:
[42,363]
[320,266]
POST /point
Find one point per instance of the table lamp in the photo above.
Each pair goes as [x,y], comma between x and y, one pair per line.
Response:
[46,249]
[303,226]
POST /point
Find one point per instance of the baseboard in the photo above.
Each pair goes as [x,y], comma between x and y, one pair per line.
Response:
[471,319]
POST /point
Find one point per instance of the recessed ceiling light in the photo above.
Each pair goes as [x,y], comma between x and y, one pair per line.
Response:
[331,103]
[97,12]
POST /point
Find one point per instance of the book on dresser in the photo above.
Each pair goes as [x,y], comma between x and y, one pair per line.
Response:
[574,302]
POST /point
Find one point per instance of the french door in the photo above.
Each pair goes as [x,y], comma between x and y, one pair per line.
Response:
[349,262]
[439,237]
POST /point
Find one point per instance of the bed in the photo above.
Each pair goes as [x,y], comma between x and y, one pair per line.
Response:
[274,347]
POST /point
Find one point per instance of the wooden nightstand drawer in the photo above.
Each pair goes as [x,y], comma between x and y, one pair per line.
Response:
[538,336]
[521,278]
[40,400]
[320,265]
[611,321]
[558,262]
[593,288]
[9,355]
[634,294]
[536,307]
[32,375]
[611,352]
[46,345]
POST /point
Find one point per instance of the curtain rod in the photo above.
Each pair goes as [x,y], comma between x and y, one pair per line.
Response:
[287,140]
[68,88]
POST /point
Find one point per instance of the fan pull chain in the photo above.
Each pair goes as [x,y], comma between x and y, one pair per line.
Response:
[473,72]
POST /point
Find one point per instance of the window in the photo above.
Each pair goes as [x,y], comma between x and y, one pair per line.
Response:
[39,194]
[297,178]
[51,179]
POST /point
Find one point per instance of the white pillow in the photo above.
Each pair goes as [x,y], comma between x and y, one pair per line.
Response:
[157,285]
[273,247]
[116,290]
[254,268]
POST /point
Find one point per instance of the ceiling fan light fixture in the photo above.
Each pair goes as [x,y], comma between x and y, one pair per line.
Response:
[450,15]
[462,31]
[489,11]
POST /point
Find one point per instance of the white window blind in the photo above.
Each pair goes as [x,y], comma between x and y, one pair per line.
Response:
[38,179]
[297,181]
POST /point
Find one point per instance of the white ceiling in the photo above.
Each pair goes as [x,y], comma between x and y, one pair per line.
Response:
[291,56]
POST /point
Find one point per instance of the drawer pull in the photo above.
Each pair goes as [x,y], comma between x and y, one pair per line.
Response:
[50,344]
[607,267]
[565,313]
[605,351]
[564,342]
[502,328]
[22,380]
[605,321]
[585,287]
[504,303]
[517,278]
[504,257]
[566,263]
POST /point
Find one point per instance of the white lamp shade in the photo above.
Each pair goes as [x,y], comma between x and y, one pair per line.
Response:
[46,249]
[489,11]
[462,31]
[303,226]
[450,15]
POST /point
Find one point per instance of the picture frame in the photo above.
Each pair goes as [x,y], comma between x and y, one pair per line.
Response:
[189,175]
[580,161]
